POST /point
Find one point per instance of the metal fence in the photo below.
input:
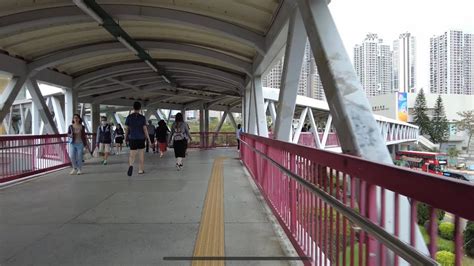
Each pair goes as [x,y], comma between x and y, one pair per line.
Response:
[343,210]
[22,156]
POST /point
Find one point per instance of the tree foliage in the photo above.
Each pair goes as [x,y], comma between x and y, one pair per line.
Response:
[466,123]
[439,132]
[469,239]
[420,118]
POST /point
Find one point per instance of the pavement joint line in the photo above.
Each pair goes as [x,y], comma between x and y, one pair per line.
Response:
[210,239]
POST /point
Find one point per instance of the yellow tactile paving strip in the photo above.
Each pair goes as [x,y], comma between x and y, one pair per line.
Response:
[210,240]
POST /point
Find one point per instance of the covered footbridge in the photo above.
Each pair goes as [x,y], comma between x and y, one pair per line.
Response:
[272,202]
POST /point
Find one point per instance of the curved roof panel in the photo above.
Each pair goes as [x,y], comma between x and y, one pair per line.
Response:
[200,45]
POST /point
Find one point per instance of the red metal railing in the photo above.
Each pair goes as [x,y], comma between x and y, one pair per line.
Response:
[307,139]
[22,156]
[318,196]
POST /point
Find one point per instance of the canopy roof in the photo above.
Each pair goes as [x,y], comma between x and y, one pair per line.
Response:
[207,49]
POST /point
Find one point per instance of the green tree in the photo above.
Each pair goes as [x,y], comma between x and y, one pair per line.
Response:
[419,114]
[439,123]
[453,153]
[466,123]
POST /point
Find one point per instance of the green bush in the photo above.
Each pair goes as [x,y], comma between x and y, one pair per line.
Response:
[423,213]
[445,245]
[445,258]
[469,239]
[446,230]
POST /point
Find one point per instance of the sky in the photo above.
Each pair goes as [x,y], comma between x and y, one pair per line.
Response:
[389,18]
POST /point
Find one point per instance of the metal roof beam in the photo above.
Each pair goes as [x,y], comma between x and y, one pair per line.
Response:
[131,68]
[89,51]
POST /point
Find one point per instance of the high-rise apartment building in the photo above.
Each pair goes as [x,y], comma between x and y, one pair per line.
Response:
[404,63]
[309,83]
[468,64]
[373,65]
[273,78]
[451,63]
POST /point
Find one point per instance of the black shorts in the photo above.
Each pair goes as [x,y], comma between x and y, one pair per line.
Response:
[119,140]
[137,144]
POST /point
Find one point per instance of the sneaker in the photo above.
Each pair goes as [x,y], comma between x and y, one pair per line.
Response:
[79,172]
[141,172]
[73,172]
[130,170]
[104,162]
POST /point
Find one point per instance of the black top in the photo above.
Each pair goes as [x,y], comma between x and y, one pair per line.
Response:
[162,133]
[119,132]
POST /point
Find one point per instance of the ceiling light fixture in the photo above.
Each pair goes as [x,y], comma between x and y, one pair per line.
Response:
[89,11]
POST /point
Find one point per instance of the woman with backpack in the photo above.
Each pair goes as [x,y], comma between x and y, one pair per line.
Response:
[119,136]
[77,141]
[162,137]
[179,137]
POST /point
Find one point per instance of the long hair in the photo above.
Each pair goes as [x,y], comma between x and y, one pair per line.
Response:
[179,117]
[80,119]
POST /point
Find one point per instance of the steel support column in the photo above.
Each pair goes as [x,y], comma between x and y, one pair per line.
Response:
[353,119]
[261,116]
[38,99]
[296,136]
[252,115]
[59,115]
[221,122]
[326,131]
[206,125]
[22,119]
[116,118]
[169,116]
[314,128]
[183,112]
[95,109]
[35,119]
[201,126]
[294,54]
[273,113]
[232,120]
[10,93]
[70,105]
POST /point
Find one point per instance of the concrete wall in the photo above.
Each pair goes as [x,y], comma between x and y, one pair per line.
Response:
[384,105]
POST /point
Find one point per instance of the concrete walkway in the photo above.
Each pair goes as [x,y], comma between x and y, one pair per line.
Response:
[106,218]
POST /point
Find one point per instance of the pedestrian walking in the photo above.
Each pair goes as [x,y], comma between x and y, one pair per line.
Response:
[179,138]
[104,138]
[305,128]
[119,136]
[136,134]
[162,137]
[77,142]
[237,133]
[151,134]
